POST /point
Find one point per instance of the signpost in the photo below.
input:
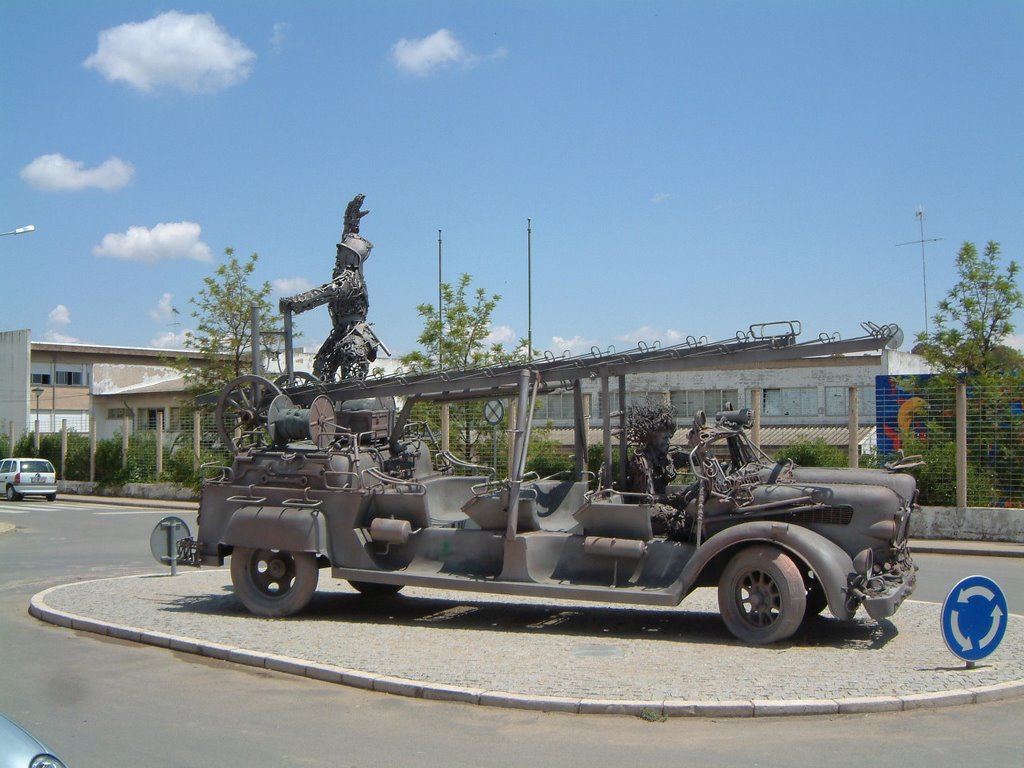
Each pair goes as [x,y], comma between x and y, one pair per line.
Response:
[163,542]
[494,414]
[974,617]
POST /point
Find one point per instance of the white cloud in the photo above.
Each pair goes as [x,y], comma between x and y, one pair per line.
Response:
[427,54]
[289,286]
[661,197]
[277,35]
[60,315]
[190,52]
[56,173]
[164,310]
[60,338]
[501,334]
[576,345]
[179,240]
[649,335]
[169,340]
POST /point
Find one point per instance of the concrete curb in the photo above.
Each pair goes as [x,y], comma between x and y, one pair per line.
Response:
[6,528]
[656,709]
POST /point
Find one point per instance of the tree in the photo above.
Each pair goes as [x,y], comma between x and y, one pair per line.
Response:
[967,344]
[223,311]
[459,339]
[975,318]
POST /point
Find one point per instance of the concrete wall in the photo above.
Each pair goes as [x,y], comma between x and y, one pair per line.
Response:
[969,524]
[14,381]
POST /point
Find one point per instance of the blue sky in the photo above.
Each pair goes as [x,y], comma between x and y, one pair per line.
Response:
[690,168]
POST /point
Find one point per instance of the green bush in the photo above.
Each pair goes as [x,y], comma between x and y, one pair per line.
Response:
[936,478]
[813,453]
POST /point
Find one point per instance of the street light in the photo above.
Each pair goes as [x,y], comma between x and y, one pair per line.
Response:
[20,230]
[38,392]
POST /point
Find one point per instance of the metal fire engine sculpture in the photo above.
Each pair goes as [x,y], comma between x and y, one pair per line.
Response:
[337,475]
[352,345]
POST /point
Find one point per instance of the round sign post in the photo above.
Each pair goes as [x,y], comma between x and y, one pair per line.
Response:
[974,617]
[163,542]
[494,414]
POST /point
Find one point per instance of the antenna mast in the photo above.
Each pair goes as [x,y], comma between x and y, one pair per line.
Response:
[924,274]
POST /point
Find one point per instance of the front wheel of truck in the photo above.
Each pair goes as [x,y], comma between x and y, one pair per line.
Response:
[273,582]
[761,596]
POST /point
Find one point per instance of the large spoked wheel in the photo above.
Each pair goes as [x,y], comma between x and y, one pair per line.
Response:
[273,582]
[242,412]
[761,596]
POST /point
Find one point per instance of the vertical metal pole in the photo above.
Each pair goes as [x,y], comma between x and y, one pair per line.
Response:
[924,273]
[440,305]
[853,427]
[961,444]
[623,452]
[255,318]
[606,471]
[289,351]
[529,289]
[580,403]
[519,457]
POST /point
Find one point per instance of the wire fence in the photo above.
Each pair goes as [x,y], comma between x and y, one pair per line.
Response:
[915,415]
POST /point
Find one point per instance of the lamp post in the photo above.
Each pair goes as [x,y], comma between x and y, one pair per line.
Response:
[20,230]
[38,392]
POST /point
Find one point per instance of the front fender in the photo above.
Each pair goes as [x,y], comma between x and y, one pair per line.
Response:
[271,527]
[830,564]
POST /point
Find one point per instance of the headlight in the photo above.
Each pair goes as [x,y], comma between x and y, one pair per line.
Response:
[46,761]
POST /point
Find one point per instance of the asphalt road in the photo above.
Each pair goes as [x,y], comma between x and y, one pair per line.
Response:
[103,702]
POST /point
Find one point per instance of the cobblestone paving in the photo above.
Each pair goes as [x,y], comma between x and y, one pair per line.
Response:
[556,648]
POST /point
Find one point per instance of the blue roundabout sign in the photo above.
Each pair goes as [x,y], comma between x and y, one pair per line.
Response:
[974,617]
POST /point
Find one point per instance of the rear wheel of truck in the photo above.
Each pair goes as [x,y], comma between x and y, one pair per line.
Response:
[761,596]
[273,582]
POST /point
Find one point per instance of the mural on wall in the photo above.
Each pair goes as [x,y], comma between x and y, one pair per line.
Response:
[901,409]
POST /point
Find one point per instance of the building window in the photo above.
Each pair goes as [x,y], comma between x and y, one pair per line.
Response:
[69,378]
[116,414]
[686,402]
[42,373]
[148,417]
[837,402]
[791,401]
[556,407]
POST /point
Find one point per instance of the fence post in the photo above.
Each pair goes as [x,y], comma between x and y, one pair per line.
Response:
[853,450]
[197,435]
[159,444]
[446,428]
[92,450]
[124,440]
[961,444]
[63,448]
[756,397]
